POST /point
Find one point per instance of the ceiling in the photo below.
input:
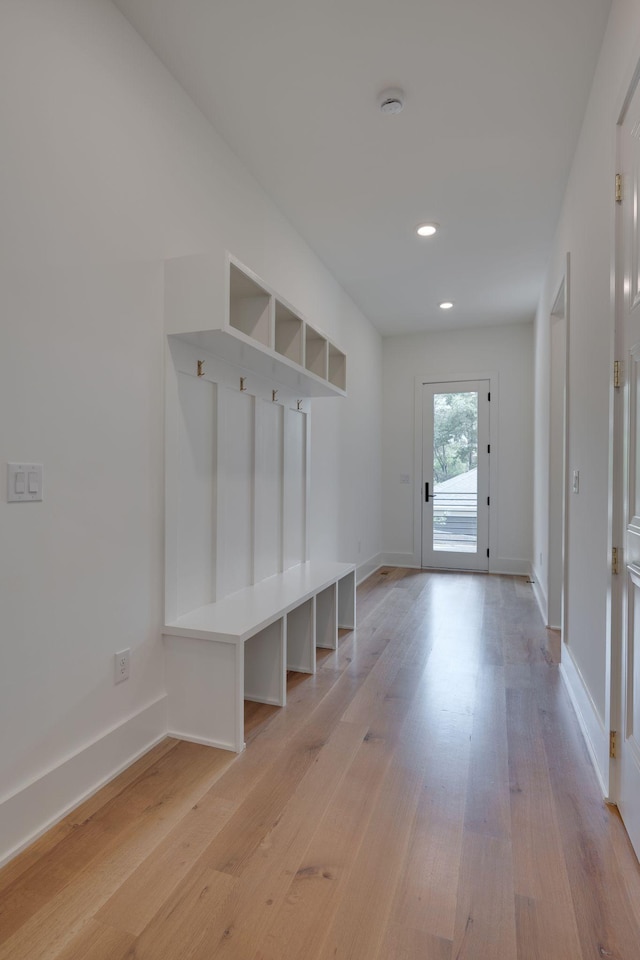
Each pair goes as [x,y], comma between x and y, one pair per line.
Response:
[495,92]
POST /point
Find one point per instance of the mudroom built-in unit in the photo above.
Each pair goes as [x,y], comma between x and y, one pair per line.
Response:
[243,601]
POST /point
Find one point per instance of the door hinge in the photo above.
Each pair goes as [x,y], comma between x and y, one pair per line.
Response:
[614,560]
[487,551]
[613,744]
[488,448]
[488,501]
[489,397]
[618,188]
[617,373]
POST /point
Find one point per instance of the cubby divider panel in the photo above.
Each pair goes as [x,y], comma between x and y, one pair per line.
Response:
[327,618]
[301,640]
[347,601]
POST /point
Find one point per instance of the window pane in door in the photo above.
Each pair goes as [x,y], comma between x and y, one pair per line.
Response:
[455,472]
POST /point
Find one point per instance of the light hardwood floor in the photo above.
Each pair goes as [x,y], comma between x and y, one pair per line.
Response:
[426,796]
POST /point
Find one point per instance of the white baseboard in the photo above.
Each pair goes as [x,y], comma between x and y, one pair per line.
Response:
[399,560]
[596,737]
[510,566]
[31,810]
[364,570]
[504,565]
[273,701]
[205,741]
[540,594]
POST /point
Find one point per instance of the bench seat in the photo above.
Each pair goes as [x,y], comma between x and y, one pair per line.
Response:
[240,648]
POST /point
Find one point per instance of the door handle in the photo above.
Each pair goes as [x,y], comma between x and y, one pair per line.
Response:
[426,493]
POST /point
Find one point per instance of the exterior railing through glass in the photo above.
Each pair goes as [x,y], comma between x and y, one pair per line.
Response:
[455,521]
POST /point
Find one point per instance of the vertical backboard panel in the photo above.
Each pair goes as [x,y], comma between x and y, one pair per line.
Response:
[195,480]
[295,488]
[235,490]
[269,469]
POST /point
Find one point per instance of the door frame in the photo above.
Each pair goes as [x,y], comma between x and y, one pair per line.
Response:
[457,560]
[461,374]
[561,310]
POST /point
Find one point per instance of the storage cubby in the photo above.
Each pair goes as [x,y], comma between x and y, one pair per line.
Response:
[347,601]
[327,618]
[315,352]
[289,333]
[337,368]
[264,671]
[249,307]
[301,647]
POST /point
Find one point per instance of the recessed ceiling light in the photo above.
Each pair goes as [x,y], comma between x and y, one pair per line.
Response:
[426,229]
[446,305]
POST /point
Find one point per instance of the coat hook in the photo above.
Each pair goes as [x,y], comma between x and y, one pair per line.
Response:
[299,404]
[243,380]
[274,395]
[201,368]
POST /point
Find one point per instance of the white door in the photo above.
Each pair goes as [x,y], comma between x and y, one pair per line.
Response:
[455,475]
[629,317]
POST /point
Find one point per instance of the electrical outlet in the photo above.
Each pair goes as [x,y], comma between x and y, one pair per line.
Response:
[121,666]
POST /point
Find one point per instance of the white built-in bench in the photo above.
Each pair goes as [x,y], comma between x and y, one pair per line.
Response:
[242,646]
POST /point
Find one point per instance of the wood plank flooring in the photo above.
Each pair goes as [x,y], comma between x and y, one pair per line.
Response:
[426,795]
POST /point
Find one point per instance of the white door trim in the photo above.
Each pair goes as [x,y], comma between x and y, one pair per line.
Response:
[562,308]
[432,558]
[446,377]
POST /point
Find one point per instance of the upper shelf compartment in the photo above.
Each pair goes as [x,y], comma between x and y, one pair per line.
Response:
[249,307]
[316,352]
[236,316]
[289,337]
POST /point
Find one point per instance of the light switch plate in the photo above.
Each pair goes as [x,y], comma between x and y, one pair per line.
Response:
[24,481]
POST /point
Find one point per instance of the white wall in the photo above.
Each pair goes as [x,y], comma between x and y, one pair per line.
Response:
[108,168]
[586,231]
[503,350]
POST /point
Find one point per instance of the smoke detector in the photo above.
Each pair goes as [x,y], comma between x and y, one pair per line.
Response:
[391,100]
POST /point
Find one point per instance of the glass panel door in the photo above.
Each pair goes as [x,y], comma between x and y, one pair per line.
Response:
[455,523]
